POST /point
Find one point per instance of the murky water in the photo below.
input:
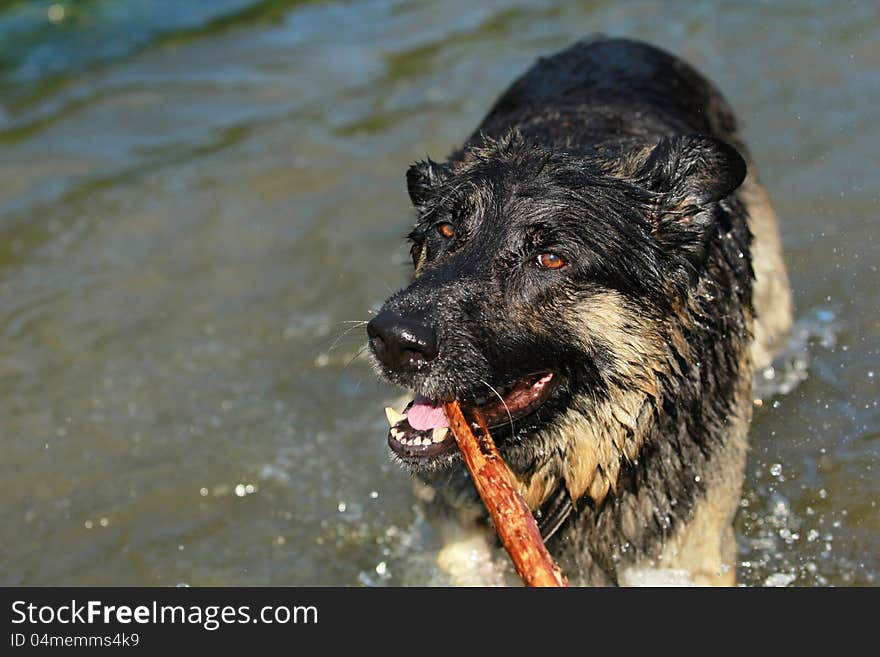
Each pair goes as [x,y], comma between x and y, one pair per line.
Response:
[197,198]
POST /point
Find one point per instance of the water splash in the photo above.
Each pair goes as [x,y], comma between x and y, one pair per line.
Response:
[818,328]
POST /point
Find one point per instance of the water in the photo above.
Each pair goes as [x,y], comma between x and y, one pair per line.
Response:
[195,199]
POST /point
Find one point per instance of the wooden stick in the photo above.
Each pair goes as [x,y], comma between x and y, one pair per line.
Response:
[514,522]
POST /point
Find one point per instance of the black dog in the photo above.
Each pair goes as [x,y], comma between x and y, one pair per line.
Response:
[585,276]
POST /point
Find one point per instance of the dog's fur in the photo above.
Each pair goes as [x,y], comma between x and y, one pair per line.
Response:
[625,162]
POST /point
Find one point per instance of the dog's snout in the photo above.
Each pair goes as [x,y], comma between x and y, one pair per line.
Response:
[401,342]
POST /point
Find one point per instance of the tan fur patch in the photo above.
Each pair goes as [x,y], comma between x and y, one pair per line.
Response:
[595,445]
[420,263]
[772,295]
[626,168]
[537,488]
[706,546]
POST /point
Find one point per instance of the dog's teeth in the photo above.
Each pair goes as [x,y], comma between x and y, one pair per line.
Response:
[393,416]
[396,434]
[438,435]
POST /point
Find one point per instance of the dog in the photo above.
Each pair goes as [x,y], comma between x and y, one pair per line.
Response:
[598,271]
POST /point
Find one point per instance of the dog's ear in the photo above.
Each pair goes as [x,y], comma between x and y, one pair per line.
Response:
[421,179]
[689,172]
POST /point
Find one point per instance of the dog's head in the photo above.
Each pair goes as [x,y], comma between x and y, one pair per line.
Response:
[542,285]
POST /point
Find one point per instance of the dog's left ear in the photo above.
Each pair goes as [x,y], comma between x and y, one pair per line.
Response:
[690,172]
[421,179]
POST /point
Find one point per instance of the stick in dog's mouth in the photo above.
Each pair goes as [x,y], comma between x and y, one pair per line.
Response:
[422,429]
[513,520]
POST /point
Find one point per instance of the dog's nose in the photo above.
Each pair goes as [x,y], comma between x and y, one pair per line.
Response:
[400,342]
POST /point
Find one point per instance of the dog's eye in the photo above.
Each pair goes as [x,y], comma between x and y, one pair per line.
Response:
[549,260]
[446,230]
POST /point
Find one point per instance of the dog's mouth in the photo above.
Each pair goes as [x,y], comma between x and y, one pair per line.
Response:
[422,430]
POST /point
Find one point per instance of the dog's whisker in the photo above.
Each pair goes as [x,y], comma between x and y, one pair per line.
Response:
[345,333]
[504,403]
[355,357]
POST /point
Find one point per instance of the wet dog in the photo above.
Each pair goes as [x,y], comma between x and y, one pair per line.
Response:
[598,271]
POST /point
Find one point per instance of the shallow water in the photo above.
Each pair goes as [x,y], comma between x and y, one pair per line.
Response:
[196,198]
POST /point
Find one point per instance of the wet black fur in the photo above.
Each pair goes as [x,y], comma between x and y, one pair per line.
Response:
[624,161]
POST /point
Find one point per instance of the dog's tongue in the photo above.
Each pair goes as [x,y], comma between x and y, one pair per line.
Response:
[426,414]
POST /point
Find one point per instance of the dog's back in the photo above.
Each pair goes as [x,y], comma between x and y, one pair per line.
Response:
[608,90]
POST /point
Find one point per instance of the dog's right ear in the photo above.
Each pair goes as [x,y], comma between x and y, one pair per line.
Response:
[422,178]
[692,170]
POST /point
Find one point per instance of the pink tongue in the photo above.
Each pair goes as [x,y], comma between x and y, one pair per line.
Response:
[426,414]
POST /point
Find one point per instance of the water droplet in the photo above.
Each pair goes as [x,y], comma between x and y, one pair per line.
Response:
[780,579]
[56,13]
